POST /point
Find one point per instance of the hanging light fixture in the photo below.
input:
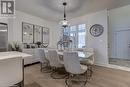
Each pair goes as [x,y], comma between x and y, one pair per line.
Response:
[64,22]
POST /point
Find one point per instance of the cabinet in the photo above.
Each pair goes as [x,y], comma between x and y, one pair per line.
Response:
[32,59]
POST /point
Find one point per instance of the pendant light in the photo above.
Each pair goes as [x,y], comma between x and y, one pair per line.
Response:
[64,22]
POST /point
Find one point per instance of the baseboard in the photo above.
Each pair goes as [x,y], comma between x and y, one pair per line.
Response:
[114,67]
[31,64]
[118,67]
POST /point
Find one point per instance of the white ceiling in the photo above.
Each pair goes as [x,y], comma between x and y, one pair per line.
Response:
[53,9]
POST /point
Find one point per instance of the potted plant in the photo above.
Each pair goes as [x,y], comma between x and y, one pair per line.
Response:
[15,46]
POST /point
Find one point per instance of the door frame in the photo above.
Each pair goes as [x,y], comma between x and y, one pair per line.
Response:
[115,39]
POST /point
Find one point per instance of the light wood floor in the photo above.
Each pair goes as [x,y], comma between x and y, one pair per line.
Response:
[102,77]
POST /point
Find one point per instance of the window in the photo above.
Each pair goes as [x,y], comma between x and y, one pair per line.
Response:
[73,35]
[77,34]
[81,35]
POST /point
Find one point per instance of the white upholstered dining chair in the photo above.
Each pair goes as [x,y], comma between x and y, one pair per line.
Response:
[12,72]
[40,54]
[53,58]
[73,66]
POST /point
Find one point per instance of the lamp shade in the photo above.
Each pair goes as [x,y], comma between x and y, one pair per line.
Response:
[64,23]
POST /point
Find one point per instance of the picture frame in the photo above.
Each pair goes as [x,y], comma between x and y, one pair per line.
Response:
[32,34]
[27,32]
[37,33]
[45,36]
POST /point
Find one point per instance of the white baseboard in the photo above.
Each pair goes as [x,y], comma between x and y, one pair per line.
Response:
[114,67]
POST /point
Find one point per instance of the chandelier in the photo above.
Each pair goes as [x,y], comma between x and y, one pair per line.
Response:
[64,22]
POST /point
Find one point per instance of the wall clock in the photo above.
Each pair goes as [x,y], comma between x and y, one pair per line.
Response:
[96,30]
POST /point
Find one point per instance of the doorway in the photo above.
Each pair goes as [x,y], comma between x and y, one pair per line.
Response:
[121,48]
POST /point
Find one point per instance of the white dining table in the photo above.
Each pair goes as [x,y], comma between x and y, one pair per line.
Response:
[12,54]
[82,55]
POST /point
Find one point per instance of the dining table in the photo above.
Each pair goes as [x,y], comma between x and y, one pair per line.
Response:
[83,55]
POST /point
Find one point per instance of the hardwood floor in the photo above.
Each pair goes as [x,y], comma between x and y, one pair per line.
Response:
[102,77]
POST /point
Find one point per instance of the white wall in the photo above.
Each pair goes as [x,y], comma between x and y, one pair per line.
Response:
[100,43]
[15,26]
[119,19]
[3,20]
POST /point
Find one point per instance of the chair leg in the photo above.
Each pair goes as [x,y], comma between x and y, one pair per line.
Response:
[45,69]
[91,70]
[86,75]
[69,79]
[66,80]
[61,75]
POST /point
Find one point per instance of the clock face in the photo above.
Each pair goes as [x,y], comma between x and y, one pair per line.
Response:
[96,30]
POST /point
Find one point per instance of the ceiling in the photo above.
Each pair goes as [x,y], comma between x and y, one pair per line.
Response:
[52,10]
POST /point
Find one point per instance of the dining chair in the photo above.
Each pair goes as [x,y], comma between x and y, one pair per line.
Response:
[90,61]
[57,67]
[40,53]
[12,72]
[73,66]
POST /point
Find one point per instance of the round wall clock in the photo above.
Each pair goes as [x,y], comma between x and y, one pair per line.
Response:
[96,30]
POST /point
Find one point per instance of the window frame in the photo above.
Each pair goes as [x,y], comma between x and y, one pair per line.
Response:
[68,32]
